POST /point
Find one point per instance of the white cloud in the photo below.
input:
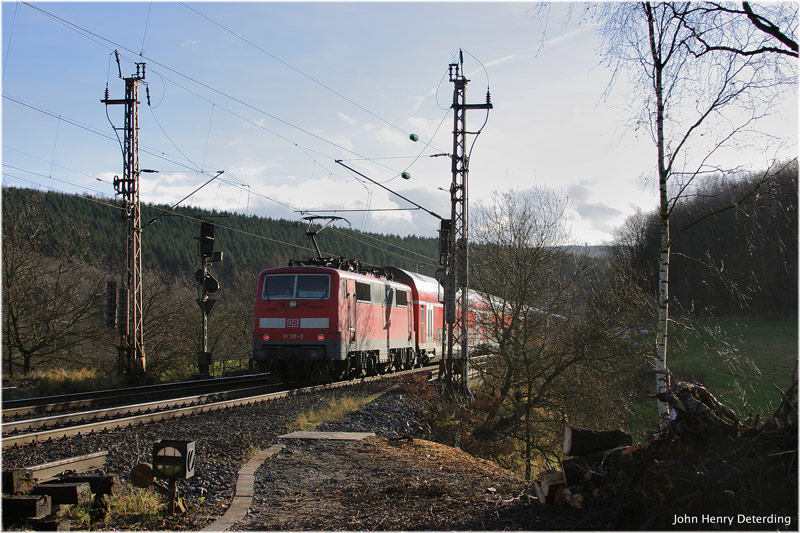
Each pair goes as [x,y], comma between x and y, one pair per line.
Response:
[347,119]
[420,99]
[391,136]
[421,125]
[250,173]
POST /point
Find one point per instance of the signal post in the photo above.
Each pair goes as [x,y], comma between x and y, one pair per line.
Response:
[208,285]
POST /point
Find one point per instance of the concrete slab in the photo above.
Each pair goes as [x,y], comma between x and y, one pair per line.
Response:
[327,435]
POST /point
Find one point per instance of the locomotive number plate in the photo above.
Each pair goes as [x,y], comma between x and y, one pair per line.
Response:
[292,322]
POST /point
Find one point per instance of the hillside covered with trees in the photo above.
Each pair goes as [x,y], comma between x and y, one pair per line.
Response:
[734,246]
[249,243]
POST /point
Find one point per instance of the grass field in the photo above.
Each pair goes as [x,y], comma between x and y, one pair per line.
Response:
[739,360]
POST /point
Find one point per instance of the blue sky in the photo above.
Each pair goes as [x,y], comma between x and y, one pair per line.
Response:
[274,93]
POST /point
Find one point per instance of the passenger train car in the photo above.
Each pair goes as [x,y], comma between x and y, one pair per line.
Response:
[325,323]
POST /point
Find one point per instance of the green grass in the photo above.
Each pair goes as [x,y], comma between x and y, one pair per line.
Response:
[739,360]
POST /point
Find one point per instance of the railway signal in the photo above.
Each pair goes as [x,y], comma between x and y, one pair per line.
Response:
[208,285]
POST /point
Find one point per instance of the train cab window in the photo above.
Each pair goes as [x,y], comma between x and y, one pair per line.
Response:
[363,292]
[344,289]
[313,286]
[402,299]
[296,286]
[278,286]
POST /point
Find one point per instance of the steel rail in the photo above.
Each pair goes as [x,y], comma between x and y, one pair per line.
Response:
[140,408]
[24,406]
[85,429]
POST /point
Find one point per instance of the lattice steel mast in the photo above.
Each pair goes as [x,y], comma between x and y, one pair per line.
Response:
[457,266]
[131,356]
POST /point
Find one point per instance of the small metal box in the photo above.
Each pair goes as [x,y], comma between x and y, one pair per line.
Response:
[174,459]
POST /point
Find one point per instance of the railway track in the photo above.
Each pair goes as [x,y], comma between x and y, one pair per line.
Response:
[23,432]
[89,400]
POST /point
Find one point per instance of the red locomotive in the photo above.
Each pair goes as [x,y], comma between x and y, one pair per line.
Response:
[327,318]
[323,321]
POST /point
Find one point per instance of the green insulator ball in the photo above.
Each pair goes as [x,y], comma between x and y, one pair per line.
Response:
[414,137]
[405,176]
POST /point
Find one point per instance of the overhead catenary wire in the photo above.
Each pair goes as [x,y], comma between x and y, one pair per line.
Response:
[292,67]
[81,30]
[51,178]
[422,150]
[149,151]
[87,33]
[192,166]
[390,190]
[153,220]
[10,35]
[38,184]
[146,25]
[7,147]
[163,210]
[93,36]
[432,261]
[158,123]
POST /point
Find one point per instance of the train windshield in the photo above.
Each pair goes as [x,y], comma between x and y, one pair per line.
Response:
[296,286]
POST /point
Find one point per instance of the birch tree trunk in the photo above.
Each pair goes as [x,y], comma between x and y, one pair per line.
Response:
[661,372]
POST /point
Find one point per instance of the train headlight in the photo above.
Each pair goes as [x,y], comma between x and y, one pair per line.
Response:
[266,336]
[320,337]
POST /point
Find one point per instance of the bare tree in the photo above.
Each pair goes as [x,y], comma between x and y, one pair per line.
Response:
[52,302]
[232,320]
[552,315]
[171,330]
[694,101]
[748,30]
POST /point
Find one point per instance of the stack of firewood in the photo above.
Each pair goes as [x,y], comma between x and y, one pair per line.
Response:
[591,453]
[705,461]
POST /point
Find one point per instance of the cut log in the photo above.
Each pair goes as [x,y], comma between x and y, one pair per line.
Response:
[551,480]
[575,472]
[47,524]
[579,441]
[575,500]
[539,494]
